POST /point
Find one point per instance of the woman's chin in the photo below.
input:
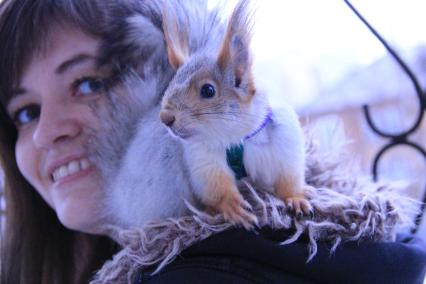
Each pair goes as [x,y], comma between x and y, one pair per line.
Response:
[86,220]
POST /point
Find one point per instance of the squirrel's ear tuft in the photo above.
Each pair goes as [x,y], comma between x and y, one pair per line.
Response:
[176,37]
[235,49]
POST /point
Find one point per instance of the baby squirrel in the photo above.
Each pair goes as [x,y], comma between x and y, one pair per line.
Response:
[212,104]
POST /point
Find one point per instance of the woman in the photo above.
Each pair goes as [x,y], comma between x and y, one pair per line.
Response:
[49,81]
[51,88]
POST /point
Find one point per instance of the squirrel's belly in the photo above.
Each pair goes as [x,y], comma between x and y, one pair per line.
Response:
[262,165]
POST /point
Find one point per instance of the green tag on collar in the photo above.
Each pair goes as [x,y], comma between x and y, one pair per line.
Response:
[234,157]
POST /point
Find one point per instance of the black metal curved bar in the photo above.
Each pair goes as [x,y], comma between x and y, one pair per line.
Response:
[407,71]
[390,145]
[402,137]
[403,134]
[387,147]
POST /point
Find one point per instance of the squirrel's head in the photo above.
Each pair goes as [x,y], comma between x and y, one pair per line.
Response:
[212,91]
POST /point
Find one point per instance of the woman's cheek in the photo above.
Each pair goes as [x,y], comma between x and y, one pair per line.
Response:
[28,161]
[24,156]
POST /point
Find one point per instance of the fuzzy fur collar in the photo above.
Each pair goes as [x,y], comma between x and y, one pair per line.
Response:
[347,207]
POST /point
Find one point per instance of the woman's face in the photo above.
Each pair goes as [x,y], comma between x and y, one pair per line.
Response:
[53,114]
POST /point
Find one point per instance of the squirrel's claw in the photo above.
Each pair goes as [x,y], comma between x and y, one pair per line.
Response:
[300,206]
[233,207]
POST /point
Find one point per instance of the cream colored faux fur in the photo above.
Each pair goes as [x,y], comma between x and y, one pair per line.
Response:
[347,207]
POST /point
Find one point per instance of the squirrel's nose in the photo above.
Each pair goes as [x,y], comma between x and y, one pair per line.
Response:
[167,118]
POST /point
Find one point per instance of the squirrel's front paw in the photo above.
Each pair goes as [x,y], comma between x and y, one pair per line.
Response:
[299,205]
[233,207]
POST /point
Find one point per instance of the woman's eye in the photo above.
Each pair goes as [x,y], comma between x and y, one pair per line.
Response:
[26,114]
[207,91]
[88,86]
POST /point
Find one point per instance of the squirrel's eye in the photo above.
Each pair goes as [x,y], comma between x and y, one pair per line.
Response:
[207,91]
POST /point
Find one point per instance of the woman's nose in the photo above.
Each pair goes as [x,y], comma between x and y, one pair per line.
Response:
[56,123]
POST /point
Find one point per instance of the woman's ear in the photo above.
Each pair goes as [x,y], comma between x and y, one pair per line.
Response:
[176,37]
[235,49]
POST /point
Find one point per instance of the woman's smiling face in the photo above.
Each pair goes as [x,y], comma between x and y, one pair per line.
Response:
[52,110]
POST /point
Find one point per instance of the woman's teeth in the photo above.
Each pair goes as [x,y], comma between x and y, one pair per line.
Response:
[70,168]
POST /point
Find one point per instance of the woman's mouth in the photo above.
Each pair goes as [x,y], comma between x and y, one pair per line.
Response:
[70,168]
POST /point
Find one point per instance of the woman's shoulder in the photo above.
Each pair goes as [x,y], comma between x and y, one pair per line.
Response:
[238,256]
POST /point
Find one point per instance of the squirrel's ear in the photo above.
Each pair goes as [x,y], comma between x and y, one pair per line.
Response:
[235,49]
[175,35]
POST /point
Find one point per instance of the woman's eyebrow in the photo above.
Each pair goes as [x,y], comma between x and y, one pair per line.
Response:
[13,95]
[77,59]
[73,61]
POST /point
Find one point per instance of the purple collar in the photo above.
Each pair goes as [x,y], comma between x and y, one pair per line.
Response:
[264,123]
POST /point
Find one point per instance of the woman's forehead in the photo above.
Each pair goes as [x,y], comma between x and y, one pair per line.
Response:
[63,49]
[55,45]
[64,42]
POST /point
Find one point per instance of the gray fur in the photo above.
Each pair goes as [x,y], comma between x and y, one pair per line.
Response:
[132,148]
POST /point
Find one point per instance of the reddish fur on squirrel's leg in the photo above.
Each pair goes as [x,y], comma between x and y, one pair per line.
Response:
[292,192]
[222,195]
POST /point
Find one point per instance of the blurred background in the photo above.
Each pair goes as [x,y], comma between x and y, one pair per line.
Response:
[319,57]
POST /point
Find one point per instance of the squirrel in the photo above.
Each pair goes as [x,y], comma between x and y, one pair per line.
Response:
[212,104]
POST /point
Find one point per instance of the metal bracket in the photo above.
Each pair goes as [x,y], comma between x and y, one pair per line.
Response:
[403,137]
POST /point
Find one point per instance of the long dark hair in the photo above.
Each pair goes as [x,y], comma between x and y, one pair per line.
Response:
[35,247]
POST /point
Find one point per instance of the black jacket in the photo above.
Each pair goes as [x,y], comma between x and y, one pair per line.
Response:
[238,256]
